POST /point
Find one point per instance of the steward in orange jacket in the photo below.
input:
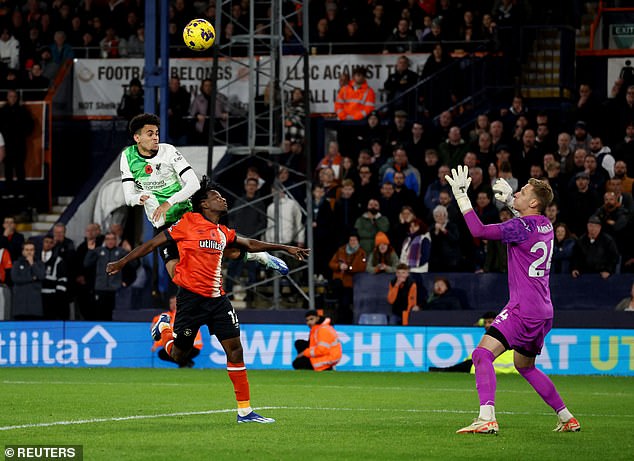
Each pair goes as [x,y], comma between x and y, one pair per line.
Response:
[323,351]
[355,100]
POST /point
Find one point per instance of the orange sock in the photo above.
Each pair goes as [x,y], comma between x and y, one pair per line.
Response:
[167,340]
[238,376]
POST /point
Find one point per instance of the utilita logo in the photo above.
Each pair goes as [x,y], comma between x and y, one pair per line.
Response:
[39,348]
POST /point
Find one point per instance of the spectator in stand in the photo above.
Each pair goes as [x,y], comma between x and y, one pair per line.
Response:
[162,354]
[544,141]
[563,248]
[64,246]
[378,28]
[429,169]
[9,51]
[614,220]
[106,286]
[443,297]
[27,275]
[355,100]
[510,115]
[498,137]
[588,108]
[332,160]
[323,350]
[482,125]
[399,131]
[400,230]
[368,133]
[435,35]
[178,109]
[595,252]
[294,117]
[55,283]
[440,91]
[453,149]
[402,295]
[598,176]
[403,195]
[400,163]
[36,82]
[347,209]
[60,50]
[552,213]
[565,153]
[369,223]
[330,185]
[321,38]
[403,40]
[581,138]
[132,101]
[527,155]
[16,124]
[433,191]
[10,238]
[325,238]
[383,259]
[624,199]
[620,172]
[484,149]
[441,127]
[397,85]
[478,184]
[582,202]
[348,260]
[5,270]
[417,144]
[416,248]
[136,43]
[626,304]
[85,276]
[112,46]
[445,243]
[602,154]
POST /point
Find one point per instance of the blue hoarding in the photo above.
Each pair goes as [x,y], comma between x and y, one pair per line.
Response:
[365,348]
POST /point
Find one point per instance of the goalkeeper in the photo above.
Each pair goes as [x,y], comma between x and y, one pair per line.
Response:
[158,177]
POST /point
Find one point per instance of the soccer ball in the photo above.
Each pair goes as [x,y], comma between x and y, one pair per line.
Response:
[199,34]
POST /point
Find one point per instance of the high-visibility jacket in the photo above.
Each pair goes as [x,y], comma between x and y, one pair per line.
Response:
[324,349]
[198,341]
[354,102]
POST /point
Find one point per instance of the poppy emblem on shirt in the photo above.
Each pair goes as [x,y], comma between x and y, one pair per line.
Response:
[148,169]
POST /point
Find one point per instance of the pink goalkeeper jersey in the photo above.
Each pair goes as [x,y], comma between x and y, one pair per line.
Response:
[530,248]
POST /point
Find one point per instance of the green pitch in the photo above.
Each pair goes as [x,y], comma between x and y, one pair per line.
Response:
[143,414]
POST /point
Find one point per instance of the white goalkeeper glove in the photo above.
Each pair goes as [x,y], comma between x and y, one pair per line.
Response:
[504,193]
[459,182]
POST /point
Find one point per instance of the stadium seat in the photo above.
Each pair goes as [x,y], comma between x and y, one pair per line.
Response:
[372,319]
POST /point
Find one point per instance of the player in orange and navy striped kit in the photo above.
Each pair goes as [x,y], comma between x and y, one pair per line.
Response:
[201,299]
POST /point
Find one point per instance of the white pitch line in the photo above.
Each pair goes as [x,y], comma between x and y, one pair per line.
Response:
[232,410]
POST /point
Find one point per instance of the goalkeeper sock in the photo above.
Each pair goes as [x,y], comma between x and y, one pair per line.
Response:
[485,375]
[543,386]
[564,415]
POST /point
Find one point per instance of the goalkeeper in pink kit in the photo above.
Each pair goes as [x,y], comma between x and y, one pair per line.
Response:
[527,317]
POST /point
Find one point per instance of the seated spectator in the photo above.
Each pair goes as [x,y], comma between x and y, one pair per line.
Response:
[348,260]
[595,252]
[445,243]
[623,198]
[322,351]
[112,46]
[178,109]
[620,172]
[614,219]
[416,249]
[27,275]
[563,247]
[443,298]
[399,162]
[60,50]
[136,44]
[369,223]
[162,354]
[402,295]
[581,139]
[403,40]
[36,82]
[626,304]
[355,100]
[399,131]
[383,258]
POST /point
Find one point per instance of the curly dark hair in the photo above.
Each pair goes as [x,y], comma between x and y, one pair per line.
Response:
[139,121]
[201,194]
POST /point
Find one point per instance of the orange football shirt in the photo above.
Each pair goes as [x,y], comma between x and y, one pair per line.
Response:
[200,245]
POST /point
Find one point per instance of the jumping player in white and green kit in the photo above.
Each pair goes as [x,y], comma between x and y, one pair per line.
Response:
[158,177]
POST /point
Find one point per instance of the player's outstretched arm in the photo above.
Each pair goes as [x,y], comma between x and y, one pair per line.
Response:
[138,252]
[254,246]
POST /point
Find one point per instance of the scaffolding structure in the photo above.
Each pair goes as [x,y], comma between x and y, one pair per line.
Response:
[247,57]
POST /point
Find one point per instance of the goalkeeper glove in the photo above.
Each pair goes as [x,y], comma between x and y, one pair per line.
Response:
[459,182]
[504,193]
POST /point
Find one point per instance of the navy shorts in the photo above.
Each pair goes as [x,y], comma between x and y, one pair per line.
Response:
[195,310]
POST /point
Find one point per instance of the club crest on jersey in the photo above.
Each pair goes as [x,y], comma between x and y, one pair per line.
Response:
[158,167]
[148,169]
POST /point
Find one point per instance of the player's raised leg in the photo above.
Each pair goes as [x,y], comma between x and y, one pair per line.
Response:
[547,391]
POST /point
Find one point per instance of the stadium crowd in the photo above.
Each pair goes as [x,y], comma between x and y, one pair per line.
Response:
[380,197]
